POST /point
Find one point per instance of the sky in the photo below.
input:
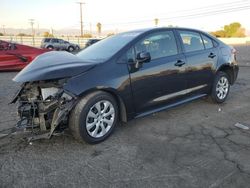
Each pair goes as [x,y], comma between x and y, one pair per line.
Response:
[119,15]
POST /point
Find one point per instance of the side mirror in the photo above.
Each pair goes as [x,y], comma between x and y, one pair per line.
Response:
[143,57]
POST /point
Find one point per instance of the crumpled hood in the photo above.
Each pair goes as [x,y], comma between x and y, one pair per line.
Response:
[53,65]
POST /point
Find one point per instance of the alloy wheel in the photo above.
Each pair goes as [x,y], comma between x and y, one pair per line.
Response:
[222,87]
[71,49]
[100,119]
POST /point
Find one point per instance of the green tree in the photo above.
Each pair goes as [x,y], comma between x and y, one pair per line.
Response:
[22,34]
[156,21]
[232,30]
[219,33]
[47,34]
[1,34]
[87,35]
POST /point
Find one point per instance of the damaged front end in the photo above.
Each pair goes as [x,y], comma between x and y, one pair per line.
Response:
[43,108]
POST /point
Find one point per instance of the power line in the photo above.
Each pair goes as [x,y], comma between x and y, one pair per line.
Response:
[212,7]
[206,11]
[209,13]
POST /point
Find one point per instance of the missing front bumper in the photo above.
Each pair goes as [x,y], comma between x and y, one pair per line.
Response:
[43,114]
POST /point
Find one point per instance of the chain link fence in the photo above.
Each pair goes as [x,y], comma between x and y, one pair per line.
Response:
[36,41]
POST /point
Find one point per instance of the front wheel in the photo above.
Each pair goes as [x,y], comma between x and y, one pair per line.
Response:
[221,87]
[94,118]
[50,47]
[71,48]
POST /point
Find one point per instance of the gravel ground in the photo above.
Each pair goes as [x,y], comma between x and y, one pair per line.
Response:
[194,145]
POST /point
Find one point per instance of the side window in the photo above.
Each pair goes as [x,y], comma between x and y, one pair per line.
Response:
[159,45]
[130,55]
[46,40]
[191,40]
[54,40]
[207,42]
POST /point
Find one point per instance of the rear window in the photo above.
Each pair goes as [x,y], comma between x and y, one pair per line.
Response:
[192,41]
[55,40]
[207,42]
[46,40]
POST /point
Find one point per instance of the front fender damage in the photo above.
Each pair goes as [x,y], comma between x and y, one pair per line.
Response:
[43,108]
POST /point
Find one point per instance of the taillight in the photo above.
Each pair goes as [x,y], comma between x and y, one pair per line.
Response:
[233,52]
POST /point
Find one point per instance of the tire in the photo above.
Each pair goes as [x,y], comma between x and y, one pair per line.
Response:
[86,114]
[77,48]
[71,48]
[221,87]
[50,47]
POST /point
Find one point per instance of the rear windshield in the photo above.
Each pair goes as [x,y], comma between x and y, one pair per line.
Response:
[46,40]
[106,48]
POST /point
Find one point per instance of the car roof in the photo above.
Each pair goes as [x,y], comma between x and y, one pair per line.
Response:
[51,38]
[93,39]
[160,28]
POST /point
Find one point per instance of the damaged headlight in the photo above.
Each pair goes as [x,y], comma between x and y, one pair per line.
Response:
[47,92]
[53,92]
[44,105]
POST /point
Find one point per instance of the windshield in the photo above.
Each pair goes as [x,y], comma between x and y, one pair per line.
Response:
[106,48]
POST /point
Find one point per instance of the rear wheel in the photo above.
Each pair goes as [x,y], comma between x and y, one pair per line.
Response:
[221,87]
[77,48]
[94,117]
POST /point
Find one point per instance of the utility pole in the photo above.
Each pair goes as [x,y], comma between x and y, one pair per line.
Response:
[3,29]
[90,28]
[37,32]
[81,22]
[32,21]
[52,31]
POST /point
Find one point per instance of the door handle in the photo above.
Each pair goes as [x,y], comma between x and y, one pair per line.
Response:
[211,55]
[179,63]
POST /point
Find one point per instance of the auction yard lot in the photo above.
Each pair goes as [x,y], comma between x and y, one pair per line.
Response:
[194,145]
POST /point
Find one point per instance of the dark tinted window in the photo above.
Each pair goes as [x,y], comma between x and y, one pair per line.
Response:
[207,42]
[160,44]
[46,40]
[61,41]
[192,41]
[55,40]
[130,55]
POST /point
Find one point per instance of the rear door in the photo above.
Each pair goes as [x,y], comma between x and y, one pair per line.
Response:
[201,56]
[161,80]
[55,43]
[62,44]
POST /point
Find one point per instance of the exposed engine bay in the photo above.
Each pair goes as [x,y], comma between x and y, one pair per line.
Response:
[43,108]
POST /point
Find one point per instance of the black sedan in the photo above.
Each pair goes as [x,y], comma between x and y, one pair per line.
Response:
[126,76]
[91,42]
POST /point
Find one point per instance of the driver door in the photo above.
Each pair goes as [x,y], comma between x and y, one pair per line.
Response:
[162,80]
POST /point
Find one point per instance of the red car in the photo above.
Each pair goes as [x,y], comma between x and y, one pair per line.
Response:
[14,57]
